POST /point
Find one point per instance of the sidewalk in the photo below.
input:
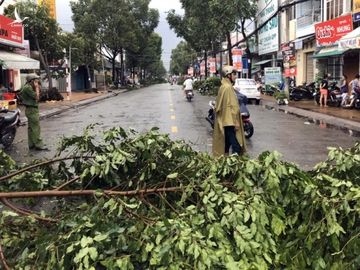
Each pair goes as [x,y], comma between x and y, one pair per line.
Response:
[339,117]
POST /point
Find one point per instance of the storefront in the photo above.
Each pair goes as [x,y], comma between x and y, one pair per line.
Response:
[350,43]
[11,63]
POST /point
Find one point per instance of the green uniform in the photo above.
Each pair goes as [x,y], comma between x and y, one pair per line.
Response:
[28,98]
[227,113]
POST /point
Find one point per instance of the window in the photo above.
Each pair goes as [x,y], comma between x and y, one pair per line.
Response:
[291,13]
[334,9]
[334,67]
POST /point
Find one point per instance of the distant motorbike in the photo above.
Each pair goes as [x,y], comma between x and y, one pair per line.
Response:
[9,120]
[245,115]
[305,91]
[189,94]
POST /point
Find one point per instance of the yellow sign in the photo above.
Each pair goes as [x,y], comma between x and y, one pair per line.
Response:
[51,5]
[356,6]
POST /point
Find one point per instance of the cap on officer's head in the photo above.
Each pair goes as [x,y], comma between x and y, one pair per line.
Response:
[226,70]
[31,77]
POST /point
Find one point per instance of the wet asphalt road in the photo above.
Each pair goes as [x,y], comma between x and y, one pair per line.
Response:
[298,139]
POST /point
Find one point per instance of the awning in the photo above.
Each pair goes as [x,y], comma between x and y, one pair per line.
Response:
[262,62]
[17,61]
[255,70]
[350,40]
[329,52]
[298,43]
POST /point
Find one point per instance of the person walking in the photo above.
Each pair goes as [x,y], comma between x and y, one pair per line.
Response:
[344,90]
[228,128]
[30,94]
[324,86]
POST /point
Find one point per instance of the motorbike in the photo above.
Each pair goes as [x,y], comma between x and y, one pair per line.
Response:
[245,115]
[189,94]
[334,96]
[305,91]
[9,120]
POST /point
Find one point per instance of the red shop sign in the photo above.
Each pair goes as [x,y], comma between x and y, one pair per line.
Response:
[11,33]
[329,32]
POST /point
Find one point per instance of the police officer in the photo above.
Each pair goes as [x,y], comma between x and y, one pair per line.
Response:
[30,94]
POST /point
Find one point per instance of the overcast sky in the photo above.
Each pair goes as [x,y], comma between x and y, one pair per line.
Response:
[169,38]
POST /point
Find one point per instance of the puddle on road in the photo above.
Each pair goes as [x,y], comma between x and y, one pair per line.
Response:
[320,123]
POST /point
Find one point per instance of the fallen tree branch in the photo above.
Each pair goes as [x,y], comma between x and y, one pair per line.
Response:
[69,193]
[3,260]
[3,178]
[25,212]
[67,183]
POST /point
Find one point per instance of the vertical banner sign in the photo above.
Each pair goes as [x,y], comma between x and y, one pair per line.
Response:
[289,59]
[237,59]
[212,65]
[202,68]
[51,5]
[268,35]
[329,32]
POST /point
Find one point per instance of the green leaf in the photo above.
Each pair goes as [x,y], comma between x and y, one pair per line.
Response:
[246,215]
[172,176]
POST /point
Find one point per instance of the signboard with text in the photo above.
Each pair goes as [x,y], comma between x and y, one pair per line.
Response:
[212,65]
[237,59]
[289,59]
[329,32]
[356,10]
[272,75]
[268,34]
[202,68]
[11,33]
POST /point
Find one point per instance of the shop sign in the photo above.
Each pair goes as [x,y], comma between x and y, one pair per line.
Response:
[11,33]
[268,35]
[329,32]
[237,59]
[272,75]
[290,72]
[350,43]
[212,65]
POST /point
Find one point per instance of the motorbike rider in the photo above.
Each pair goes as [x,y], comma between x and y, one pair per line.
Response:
[355,90]
[228,127]
[187,85]
[30,94]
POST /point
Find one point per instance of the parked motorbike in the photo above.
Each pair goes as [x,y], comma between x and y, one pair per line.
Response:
[302,92]
[189,94]
[245,115]
[334,96]
[9,120]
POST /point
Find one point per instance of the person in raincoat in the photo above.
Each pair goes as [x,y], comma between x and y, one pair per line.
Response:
[228,128]
[30,94]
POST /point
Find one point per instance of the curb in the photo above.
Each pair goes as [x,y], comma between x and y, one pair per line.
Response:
[331,120]
[55,111]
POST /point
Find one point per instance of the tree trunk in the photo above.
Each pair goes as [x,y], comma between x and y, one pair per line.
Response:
[44,62]
[113,70]
[229,45]
[88,83]
[247,50]
[122,70]
[206,67]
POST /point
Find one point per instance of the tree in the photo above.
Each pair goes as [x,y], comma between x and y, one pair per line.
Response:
[115,25]
[181,56]
[200,32]
[42,31]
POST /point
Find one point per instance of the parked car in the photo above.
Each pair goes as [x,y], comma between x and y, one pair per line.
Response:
[248,88]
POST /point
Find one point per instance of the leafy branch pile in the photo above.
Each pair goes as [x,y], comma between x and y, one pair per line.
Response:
[141,201]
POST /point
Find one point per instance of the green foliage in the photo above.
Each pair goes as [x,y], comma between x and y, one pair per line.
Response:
[211,86]
[181,56]
[192,211]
